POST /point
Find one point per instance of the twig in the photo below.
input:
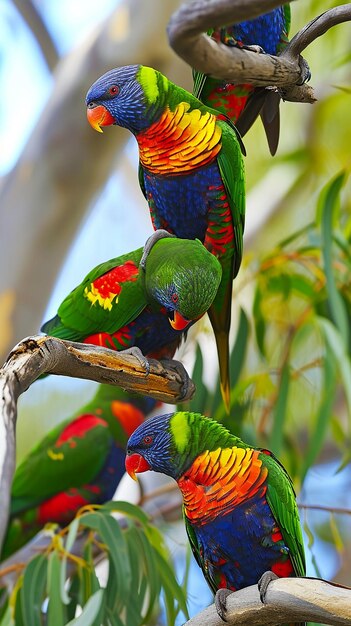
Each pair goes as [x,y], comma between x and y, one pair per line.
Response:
[287,600]
[316,28]
[37,355]
[160,491]
[187,28]
[327,509]
[42,36]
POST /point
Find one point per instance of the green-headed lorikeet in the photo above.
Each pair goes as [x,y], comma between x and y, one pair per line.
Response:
[81,461]
[146,298]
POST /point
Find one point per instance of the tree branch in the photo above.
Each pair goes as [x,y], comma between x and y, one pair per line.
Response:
[186,32]
[36,24]
[38,355]
[317,27]
[287,600]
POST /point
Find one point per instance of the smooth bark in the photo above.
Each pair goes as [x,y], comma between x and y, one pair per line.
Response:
[287,600]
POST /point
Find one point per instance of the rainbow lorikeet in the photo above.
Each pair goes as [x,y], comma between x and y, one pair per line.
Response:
[144,299]
[191,172]
[81,461]
[243,103]
[239,503]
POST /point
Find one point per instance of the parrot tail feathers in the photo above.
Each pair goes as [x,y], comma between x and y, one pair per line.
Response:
[222,342]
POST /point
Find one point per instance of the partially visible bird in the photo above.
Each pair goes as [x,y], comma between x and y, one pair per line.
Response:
[79,462]
[239,503]
[146,298]
[191,171]
[243,103]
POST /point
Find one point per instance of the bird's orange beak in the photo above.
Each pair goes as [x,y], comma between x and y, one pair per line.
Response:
[136,464]
[178,322]
[99,116]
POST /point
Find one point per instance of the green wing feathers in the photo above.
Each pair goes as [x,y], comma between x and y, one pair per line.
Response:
[108,298]
[281,499]
[38,477]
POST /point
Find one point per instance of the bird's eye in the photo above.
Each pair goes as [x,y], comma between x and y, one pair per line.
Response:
[147,440]
[175,297]
[113,90]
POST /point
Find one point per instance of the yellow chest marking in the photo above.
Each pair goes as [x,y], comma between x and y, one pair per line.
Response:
[220,480]
[180,141]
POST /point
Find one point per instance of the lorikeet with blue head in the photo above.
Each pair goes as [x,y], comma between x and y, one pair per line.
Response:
[239,503]
[191,172]
[243,103]
[144,299]
[80,462]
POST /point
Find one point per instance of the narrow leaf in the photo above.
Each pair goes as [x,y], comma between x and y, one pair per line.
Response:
[276,438]
[72,533]
[127,509]
[90,610]
[33,590]
[6,618]
[238,354]
[339,349]
[316,438]
[110,533]
[56,610]
[337,538]
[328,207]
[310,537]
[198,403]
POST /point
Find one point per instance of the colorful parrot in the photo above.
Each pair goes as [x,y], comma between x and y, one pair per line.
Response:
[191,171]
[243,103]
[81,461]
[145,299]
[239,503]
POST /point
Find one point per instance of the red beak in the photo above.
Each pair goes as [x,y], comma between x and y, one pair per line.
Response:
[178,322]
[99,116]
[136,464]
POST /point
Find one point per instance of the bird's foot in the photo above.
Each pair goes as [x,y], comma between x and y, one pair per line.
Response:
[134,351]
[181,371]
[254,48]
[150,242]
[263,584]
[229,40]
[305,71]
[221,602]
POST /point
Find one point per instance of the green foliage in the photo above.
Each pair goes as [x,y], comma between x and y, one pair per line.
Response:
[294,336]
[139,572]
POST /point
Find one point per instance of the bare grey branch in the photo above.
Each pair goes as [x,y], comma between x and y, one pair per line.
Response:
[187,28]
[287,600]
[38,355]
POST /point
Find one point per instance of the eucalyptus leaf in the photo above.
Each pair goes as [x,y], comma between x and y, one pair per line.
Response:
[33,590]
[56,609]
[90,611]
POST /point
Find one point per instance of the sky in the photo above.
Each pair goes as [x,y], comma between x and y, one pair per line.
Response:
[20,59]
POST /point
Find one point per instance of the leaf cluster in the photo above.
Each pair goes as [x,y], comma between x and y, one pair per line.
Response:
[290,360]
[59,588]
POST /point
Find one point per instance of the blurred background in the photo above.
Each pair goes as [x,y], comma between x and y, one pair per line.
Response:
[70,199]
